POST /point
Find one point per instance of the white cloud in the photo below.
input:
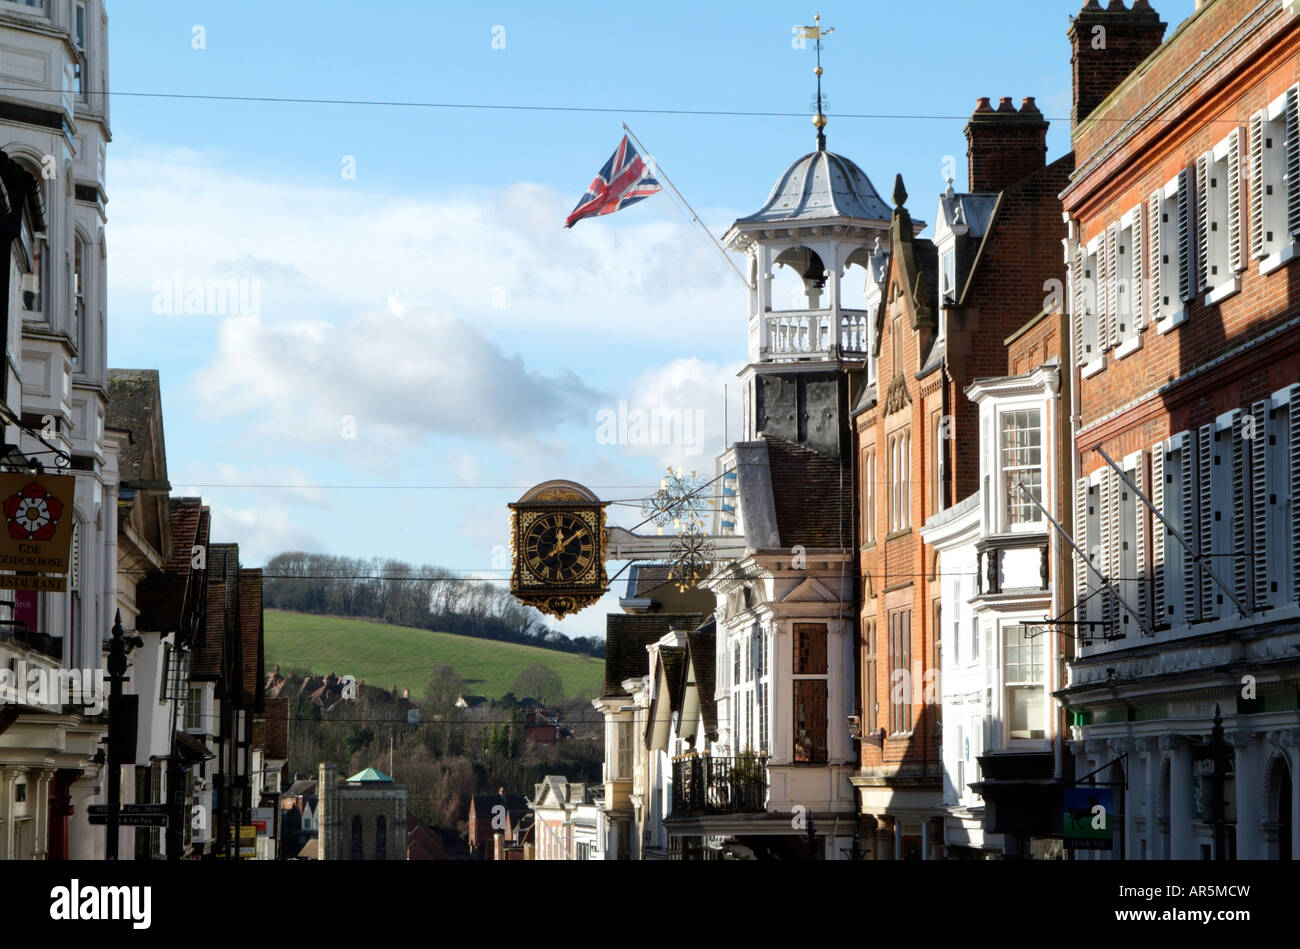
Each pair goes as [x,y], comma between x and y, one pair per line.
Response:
[673,414]
[497,258]
[378,379]
[261,532]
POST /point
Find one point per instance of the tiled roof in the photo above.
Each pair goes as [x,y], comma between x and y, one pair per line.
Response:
[626,638]
[277,729]
[185,516]
[812,495]
[250,632]
[207,660]
[649,576]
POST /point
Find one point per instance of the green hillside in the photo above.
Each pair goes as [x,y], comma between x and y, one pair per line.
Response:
[385,656]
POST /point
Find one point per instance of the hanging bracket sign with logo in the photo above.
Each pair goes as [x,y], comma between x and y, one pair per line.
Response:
[36,532]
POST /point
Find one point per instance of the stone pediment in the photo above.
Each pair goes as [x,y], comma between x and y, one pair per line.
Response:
[810,590]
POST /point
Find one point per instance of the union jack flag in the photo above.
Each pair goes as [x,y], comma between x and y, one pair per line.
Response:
[624,180]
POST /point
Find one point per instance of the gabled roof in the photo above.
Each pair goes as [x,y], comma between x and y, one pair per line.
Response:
[626,637]
[253,675]
[209,655]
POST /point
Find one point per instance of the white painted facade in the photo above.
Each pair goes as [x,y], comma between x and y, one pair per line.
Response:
[54,123]
[1001,660]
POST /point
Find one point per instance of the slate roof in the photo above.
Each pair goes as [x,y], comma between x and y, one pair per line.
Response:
[820,185]
[626,638]
[811,493]
[131,397]
[301,788]
[516,805]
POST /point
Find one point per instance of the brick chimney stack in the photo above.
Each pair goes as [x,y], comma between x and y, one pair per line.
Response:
[1004,145]
[1106,45]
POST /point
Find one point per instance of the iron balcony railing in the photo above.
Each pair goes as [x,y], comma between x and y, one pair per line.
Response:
[705,784]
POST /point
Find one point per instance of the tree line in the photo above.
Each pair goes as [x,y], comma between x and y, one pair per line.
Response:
[425,597]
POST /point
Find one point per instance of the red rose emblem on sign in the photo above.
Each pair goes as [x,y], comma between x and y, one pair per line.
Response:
[32,514]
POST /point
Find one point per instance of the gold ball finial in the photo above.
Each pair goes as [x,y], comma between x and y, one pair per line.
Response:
[817,71]
[819,121]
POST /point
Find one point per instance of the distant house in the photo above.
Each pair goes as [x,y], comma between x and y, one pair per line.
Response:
[542,726]
[495,814]
[568,824]
[470,701]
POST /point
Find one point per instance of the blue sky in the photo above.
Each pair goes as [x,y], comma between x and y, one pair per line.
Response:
[433,298]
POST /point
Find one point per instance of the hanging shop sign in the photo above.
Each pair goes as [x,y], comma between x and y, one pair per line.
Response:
[37,530]
[1088,823]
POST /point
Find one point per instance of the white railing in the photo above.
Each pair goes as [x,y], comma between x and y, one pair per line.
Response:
[814,334]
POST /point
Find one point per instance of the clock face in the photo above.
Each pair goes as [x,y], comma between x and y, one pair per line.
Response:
[559,547]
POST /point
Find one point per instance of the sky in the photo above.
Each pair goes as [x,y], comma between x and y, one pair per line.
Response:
[417,339]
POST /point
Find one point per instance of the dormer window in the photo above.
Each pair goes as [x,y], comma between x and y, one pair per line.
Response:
[948,278]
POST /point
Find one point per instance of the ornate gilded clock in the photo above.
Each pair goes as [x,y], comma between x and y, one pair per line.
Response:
[557,538]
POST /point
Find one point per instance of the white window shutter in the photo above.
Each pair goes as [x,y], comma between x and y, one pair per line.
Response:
[1203,206]
[1257,185]
[1259,502]
[1153,271]
[1240,492]
[1137,287]
[1140,538]
[1205,516]
[1293,161]
[1110,331]
[1187,525]
[1110,541]
[1236,259]
[1081,538]
[1186,249]
[1158,532]
[1079,303]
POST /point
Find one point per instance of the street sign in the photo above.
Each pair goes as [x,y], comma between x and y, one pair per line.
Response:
[133,820]
[137,809]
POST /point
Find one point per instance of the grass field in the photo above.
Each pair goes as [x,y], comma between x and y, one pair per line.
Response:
[385,656]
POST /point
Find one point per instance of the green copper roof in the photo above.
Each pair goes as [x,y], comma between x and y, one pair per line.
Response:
[370,776]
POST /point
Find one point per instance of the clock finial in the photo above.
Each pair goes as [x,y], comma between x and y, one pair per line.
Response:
[816,32]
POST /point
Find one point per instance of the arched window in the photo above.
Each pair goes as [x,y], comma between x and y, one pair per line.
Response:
[381,838]
[356,838]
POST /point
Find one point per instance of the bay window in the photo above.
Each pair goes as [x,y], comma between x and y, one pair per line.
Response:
[1021,461]
[1025,681]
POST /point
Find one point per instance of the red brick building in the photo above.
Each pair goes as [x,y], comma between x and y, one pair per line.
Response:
[1184,220]
[941,313]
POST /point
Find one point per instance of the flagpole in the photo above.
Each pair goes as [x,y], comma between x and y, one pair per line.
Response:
[695,218]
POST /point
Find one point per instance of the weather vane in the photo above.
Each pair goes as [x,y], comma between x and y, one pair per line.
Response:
[816,32]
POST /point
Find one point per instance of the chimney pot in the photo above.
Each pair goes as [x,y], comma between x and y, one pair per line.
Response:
[1116,6]
[1027,105]
[1004,104]
[982,104]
